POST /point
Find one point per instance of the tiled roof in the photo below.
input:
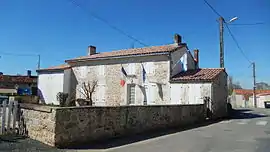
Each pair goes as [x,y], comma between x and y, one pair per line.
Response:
[206,74]
[248,93]
[129,52]
[59,67]
[18,79]
[244,91]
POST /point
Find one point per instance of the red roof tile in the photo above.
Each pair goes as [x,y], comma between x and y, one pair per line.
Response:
[18,79]
[248,93]
[59,67]
[244,91]
[198,75]
[128,52]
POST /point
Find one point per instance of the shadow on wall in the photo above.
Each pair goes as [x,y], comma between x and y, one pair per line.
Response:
[144,94]
[21,130]
[160,92]
[41,97]
[129,139]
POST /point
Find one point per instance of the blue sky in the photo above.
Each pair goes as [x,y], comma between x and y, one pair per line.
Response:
[58,30]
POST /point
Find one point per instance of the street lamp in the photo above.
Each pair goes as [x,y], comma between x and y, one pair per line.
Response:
[221,42]
[233,19]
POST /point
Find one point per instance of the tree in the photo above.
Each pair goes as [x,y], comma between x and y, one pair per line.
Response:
[262,86]
[232,85]
[87,90]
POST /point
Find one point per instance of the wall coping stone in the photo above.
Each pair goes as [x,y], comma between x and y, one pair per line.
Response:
[126,106]
[36,107]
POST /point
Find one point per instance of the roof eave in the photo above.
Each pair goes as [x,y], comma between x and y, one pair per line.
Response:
[116,57]
[51,70]
[191,81]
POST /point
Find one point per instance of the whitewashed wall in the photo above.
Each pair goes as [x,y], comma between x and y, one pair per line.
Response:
[189,93]
[238,101]
[260,101]
[181,60]
[49,84]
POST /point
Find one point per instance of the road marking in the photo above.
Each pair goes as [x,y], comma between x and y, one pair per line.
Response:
[261,123]
[242,122]
[225,121]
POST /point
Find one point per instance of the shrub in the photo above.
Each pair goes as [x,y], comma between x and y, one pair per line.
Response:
[62,98]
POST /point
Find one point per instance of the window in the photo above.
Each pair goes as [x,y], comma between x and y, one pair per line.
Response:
[101,69]
[131,94]
[132,68]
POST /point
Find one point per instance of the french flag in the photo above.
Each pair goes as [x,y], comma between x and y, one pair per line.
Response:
[124,75]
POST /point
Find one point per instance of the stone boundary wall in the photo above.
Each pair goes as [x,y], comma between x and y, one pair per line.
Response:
[72,126]
[39,122]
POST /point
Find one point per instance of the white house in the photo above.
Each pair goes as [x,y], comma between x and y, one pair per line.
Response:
[51,81]
[140,76]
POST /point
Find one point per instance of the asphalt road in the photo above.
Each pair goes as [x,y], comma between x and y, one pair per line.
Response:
[246,131]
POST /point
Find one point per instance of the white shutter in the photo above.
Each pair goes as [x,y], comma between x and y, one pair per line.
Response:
[101,69]
[131,68]
[83,71]
[150,67]
[153,93]
[101,93]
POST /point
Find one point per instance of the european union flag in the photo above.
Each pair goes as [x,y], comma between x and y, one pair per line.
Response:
[143,74]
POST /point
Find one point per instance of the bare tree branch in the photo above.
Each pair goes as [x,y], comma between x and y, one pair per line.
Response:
[87,90]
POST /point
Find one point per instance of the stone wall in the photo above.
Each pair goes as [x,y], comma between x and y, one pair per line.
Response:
[219,96]
[40,122]
[71,126]
[114,94]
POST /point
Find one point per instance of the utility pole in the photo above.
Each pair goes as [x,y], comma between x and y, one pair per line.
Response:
[221,42]
[254,85]
[38,61]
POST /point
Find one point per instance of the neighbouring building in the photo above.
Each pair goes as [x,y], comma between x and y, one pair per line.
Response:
[167,74]
[53,80]
[191,87]
[18,84]
[242,98]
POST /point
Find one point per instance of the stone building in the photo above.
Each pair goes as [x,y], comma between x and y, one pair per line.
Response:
[157,63]
[143,76]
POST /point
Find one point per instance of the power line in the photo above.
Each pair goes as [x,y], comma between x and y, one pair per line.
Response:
[108,23]
[15,54]
[236,42]
[212,8]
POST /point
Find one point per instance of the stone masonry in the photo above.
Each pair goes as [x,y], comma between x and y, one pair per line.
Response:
[72,126]
[114,92]
[40,122]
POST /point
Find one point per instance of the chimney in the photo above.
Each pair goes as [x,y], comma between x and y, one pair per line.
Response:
[196,58]
[91,50]
[177,39]
[29,73]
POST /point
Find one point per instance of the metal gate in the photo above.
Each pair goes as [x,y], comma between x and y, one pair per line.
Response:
[9,117]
